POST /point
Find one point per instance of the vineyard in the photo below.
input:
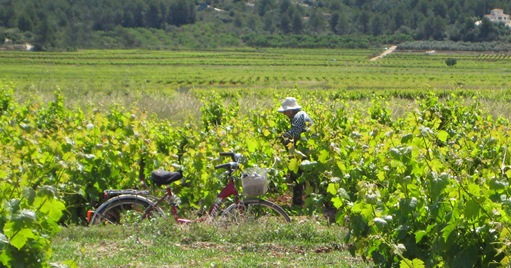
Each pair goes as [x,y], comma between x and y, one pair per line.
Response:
[425,187]
[274,68]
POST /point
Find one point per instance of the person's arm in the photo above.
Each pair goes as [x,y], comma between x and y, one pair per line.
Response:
[298,124]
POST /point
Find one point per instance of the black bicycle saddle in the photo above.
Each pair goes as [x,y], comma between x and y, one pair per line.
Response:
[163,177]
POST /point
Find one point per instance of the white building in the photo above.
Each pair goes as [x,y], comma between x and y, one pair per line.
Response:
[497,16]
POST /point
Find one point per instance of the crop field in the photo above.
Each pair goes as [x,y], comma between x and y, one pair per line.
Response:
[274,68]
[409,157]
[161,80]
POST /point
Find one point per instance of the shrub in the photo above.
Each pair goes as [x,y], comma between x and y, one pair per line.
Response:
[451,61]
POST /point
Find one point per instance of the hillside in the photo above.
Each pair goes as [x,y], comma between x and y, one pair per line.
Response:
[164,24]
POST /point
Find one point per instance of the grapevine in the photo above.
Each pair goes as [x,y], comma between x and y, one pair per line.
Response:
[428,188]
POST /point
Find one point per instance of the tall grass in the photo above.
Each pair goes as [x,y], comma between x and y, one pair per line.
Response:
[183,105]
[164,244]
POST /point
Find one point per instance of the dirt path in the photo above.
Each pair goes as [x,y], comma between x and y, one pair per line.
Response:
[385,53]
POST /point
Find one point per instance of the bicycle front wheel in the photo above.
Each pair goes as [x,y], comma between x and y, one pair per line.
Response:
[255,210]
[125,209]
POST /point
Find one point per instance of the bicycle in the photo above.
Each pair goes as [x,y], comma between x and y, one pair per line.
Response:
[124,205]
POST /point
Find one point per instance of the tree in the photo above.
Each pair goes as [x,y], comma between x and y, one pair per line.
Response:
[45,35]
[343,24]
[285,23]
[397,20]
[89,23]
[377,25]
[128,19]
[468,30]
[138,9]
[432,29]
[182,12]
[440,8]
[363,22]
[263,6]
[153,18]
[297,23]
[439,26]
[487,30]
[423,6]
[453,32]
[334,19]
[270,19]
[284,6]
[238,22]
[453,13]
[316,21]
[8,17]
[25,23]
[451,62]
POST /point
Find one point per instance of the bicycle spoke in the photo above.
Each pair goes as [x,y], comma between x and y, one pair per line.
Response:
[255,211]
[124,211]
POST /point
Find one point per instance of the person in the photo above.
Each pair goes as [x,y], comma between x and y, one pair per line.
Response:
[300,123]
[300,120]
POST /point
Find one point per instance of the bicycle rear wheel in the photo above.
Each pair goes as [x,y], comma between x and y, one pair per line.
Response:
[124,209]
[255,210]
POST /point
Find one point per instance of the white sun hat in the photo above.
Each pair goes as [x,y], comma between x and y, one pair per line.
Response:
[289,104]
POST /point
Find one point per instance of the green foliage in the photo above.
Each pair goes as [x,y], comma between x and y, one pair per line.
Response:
[28,219]
[455,46]
[430,187]
[63,25]
[451,61]
[379,113]
[428,193]
[30,210]
[304,41]
[320,41]
[212,113]
[6,97]
[128,77]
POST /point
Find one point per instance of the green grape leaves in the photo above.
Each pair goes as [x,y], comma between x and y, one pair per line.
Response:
[433,180]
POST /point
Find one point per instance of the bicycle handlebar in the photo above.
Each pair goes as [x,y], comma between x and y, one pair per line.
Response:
[236,157]
[231,165]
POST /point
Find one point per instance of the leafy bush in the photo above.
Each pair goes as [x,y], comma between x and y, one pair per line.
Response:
[29,211]
[427,190]
[451,61]
[6,98]
[28,219]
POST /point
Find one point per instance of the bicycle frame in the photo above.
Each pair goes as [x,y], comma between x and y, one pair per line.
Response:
[121,200]
[229,190]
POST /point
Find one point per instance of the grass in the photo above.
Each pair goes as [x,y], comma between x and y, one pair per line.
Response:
[164,244]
